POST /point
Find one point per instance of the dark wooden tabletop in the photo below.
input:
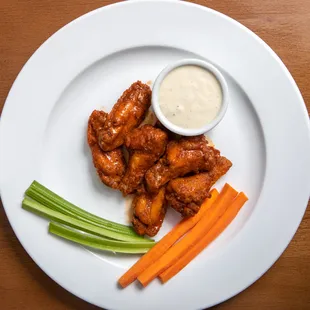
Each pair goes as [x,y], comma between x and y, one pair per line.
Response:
[283,24]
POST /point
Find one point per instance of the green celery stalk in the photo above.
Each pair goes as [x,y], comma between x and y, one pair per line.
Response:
[35,207]
[98,242]
[40,193]
[56,207]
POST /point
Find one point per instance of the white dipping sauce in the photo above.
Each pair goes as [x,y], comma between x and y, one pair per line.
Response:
[190,96]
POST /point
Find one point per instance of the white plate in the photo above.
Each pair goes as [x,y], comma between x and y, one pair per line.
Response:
[87,65]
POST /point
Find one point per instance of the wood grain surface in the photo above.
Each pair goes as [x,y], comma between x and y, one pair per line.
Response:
[283,24]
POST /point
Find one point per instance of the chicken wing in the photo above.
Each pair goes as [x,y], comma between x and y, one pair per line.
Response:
[145,145]
[149,212]
[190,154]
[127,114]
[186,194]
[111,165]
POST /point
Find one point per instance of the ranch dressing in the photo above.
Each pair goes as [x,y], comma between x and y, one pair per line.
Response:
[190,96]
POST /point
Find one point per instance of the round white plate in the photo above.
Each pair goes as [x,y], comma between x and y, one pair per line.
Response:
[87,65]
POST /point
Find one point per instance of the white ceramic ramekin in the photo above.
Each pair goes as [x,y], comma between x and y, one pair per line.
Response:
[185,131]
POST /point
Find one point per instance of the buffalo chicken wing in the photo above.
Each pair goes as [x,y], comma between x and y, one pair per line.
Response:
[110,165]
[149,212]
[186,194]
[190,154]
[127,114]
[145,145]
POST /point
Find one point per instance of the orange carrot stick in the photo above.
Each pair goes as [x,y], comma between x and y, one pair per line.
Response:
[217,229]
[166,242]
[224,199]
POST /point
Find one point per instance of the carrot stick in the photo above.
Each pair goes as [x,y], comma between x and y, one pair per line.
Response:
[166,242]
[224,199]
[217,229]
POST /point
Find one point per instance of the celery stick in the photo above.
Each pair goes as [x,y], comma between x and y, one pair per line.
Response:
[40,193]
[98,242]
[36,207]
[37,196]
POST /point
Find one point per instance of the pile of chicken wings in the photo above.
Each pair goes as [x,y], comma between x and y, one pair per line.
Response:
[162,169]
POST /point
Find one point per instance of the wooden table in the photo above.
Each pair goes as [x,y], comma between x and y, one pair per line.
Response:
[26,24]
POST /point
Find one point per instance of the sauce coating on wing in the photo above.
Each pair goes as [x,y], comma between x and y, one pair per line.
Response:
[127,114]
[149,212]
[189,154]
[111,165]
[145,145]
[186,194]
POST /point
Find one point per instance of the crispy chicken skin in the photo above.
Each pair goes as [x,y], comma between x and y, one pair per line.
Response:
[189,154]
[95,124]
[186,194]
[111,165]
[145,145]
[149,212]
[127,114]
